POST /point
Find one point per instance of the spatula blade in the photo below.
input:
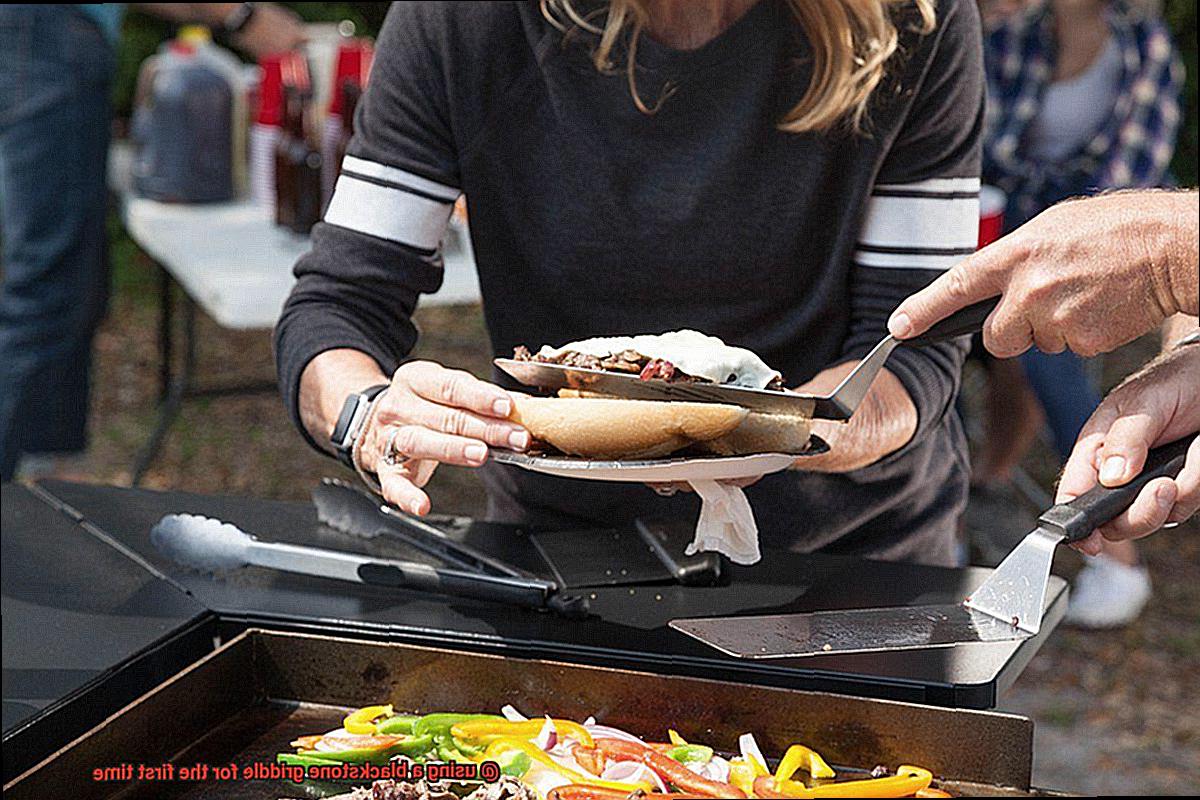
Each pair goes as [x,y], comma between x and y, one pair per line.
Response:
[866,630]
[1016,591]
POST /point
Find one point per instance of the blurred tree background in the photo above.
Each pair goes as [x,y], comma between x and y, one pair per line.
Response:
[143,34]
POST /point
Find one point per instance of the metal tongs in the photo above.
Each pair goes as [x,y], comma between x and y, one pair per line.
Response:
[839,405]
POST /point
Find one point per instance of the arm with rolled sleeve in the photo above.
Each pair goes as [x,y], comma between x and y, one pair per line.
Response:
[377,249]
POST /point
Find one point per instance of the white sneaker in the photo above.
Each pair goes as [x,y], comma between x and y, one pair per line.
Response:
[1107,594]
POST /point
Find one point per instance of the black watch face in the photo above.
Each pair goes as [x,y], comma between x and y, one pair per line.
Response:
[341,431]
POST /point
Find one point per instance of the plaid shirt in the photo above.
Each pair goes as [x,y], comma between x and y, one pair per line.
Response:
[1132,149]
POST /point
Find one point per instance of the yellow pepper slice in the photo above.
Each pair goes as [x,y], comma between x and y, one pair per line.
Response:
[908,780]
[675,738]
[489,730]
[743,771]
[362,721]
[536,753]
[800,757]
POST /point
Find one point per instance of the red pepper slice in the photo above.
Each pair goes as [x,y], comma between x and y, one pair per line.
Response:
[667,768]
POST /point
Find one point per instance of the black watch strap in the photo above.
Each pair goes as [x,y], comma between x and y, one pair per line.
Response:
[350,422]
[239,18]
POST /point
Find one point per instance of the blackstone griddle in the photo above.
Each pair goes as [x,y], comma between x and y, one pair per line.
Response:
[247,700]
[629,629]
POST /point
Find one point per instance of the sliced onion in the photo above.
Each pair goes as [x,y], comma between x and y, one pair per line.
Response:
[749,749]
[605,732]
[512,715]
[547,737]
[715,769]
[632,772]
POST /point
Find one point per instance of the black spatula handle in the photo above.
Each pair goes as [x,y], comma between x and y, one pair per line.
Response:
[964,321]
[1079,517]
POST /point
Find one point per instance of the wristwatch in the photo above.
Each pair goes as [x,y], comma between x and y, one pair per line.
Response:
[239,18]
[350,422]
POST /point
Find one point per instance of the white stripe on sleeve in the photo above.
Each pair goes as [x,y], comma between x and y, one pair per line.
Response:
[930,224]
[388,213]
[400,177]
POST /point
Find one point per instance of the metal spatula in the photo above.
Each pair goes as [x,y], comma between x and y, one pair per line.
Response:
[840,404]
[1008,605]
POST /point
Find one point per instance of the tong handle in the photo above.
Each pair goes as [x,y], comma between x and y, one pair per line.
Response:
[1079,517]
[961,322]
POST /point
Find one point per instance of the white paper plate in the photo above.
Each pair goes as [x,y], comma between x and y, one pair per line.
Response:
[714,468]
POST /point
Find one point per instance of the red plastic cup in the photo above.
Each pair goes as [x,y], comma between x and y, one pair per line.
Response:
[270,90]
[991,214]
[353,64]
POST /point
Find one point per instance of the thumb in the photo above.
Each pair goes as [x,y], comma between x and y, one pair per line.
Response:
[966,282]
[1126,444]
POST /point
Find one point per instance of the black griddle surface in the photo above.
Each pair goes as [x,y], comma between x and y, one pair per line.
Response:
[629,626]
[73,607]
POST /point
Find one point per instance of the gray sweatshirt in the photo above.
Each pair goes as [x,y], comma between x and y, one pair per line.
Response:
[592,218]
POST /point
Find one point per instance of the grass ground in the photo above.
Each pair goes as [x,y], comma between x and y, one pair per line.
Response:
[1115,712]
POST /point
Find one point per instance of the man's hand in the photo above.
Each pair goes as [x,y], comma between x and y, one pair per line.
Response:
[1156,405]
[884,422]
[1088,275]
[272,29]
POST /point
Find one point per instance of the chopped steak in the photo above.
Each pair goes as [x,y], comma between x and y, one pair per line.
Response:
[421,790]
[629,361]
[507,788]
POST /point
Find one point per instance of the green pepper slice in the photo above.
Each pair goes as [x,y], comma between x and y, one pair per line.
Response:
[401,723]
[439,725]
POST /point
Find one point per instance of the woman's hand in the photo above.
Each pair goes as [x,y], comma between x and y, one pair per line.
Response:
[1156,405]
[1085,275]
[884,422]
[431,415]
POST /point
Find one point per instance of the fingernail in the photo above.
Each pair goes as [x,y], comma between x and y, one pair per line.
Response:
[900,324]
[1112,470]
[476,452]
[518,440]
[1164,496]
[502,407]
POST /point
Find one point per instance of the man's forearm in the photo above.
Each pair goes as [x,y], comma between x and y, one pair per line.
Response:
[325,384]
[207,13]
[1175,246]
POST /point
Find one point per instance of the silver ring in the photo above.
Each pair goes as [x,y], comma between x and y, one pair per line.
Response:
[665,490]
[392,456]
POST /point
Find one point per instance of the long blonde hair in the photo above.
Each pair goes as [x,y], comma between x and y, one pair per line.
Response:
[851,41]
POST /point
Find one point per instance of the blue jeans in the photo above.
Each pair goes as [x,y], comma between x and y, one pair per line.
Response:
[1065,392]
[54,135]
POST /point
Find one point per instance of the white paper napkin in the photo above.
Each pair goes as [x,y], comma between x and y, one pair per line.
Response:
[726,523]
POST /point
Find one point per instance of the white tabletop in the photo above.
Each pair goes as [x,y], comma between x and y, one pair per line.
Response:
[236,263]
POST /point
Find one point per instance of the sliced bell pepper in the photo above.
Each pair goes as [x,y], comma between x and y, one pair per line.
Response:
[439,725]
[536,754]
[907,781]
[377,752]
[362,721]
[400,723]
[685,753]
[297,760]
[514,763]
[489,730]
[743,771]
[668,769]
[800,757]
[675,738]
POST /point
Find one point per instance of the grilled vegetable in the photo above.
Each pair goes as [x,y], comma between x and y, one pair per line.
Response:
[668,769]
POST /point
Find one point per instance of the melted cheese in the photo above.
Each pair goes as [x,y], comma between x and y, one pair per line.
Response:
[691,351]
